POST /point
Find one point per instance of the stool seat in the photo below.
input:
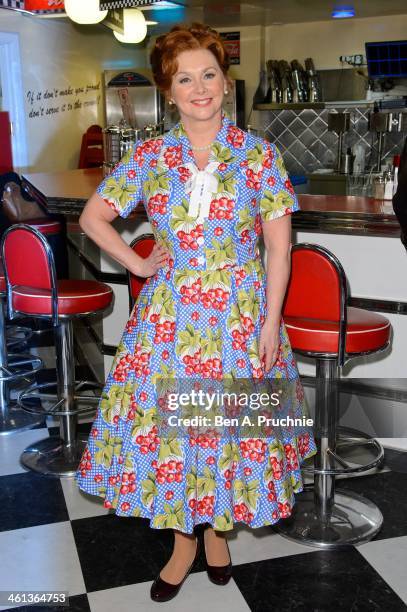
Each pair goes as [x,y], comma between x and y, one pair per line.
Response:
[45,226]
[75,297]
[365,331]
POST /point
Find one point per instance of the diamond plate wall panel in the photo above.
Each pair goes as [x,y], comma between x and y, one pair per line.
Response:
[307,145]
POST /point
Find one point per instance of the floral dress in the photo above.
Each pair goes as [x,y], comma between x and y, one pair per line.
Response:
[198,318]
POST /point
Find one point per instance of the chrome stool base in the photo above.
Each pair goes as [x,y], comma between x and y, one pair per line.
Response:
[14,420]
[60,456]
[52,457]
[326,517]
[353,520]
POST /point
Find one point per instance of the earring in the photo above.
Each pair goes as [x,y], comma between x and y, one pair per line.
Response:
[226,92]
[171,102]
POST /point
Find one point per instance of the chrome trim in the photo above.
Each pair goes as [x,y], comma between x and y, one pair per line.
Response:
[349,356]
[60,316]
[347,223]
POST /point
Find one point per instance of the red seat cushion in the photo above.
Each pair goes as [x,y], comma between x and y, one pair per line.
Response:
[366,331]
[74,297]
[45,226]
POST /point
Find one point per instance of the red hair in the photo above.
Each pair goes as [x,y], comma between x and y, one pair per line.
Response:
[163,57]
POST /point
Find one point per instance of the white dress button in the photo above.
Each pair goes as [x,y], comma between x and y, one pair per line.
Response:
[200,240]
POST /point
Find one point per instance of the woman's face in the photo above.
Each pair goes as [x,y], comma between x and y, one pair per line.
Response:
[198,86]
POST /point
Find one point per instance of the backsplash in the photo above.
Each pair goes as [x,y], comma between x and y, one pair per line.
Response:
[306,145]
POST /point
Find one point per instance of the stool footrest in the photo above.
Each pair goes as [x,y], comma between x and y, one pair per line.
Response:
[15,362]
[352,438]
[34,393]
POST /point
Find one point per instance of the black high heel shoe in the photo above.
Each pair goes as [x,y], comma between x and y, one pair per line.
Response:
[164,591]
[219,574]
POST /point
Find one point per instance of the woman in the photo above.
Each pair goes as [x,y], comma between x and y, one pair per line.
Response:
[209,189]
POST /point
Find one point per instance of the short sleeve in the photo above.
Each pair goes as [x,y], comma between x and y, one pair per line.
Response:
[122,189]
[277,197]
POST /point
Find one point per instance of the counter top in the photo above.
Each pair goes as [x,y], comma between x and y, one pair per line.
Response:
[67,192]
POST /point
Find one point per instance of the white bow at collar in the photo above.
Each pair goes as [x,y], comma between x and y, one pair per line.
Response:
[201,185]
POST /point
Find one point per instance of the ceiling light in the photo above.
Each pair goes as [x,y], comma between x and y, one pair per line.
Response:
[135,27]
[343,12]
[84,12]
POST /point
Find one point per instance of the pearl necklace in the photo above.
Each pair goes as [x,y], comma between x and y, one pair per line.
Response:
[205,148]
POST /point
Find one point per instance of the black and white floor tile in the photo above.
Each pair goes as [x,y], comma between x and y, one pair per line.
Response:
[55,537]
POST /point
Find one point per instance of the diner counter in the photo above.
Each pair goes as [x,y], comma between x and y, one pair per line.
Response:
[362,232]
[67,192]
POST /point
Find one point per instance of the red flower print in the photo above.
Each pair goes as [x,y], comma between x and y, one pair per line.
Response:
[172,156]
[235,137]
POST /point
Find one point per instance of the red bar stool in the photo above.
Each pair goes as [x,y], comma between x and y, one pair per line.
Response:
[14,367]
[142,245]
[320,325]
[33,290]
[48,227]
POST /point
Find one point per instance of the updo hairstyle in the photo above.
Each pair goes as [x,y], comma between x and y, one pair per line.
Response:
[163,57]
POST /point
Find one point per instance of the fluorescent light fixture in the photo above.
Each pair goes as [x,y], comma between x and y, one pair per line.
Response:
[343,12]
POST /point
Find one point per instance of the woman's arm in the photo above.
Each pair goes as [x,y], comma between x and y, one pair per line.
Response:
[277,240]
[96,220]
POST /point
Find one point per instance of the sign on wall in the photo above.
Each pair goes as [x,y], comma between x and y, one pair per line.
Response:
[231,40]
[48,6]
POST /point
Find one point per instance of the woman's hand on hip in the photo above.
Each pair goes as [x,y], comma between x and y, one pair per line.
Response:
[157,259]
[269,343]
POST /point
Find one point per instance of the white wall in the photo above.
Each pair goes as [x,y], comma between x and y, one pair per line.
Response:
[252,39]
[325,41]
[57,54]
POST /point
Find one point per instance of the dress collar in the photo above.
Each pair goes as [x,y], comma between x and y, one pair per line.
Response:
[220,151]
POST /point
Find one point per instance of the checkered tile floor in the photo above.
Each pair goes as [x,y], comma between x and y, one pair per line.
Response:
[55,537]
